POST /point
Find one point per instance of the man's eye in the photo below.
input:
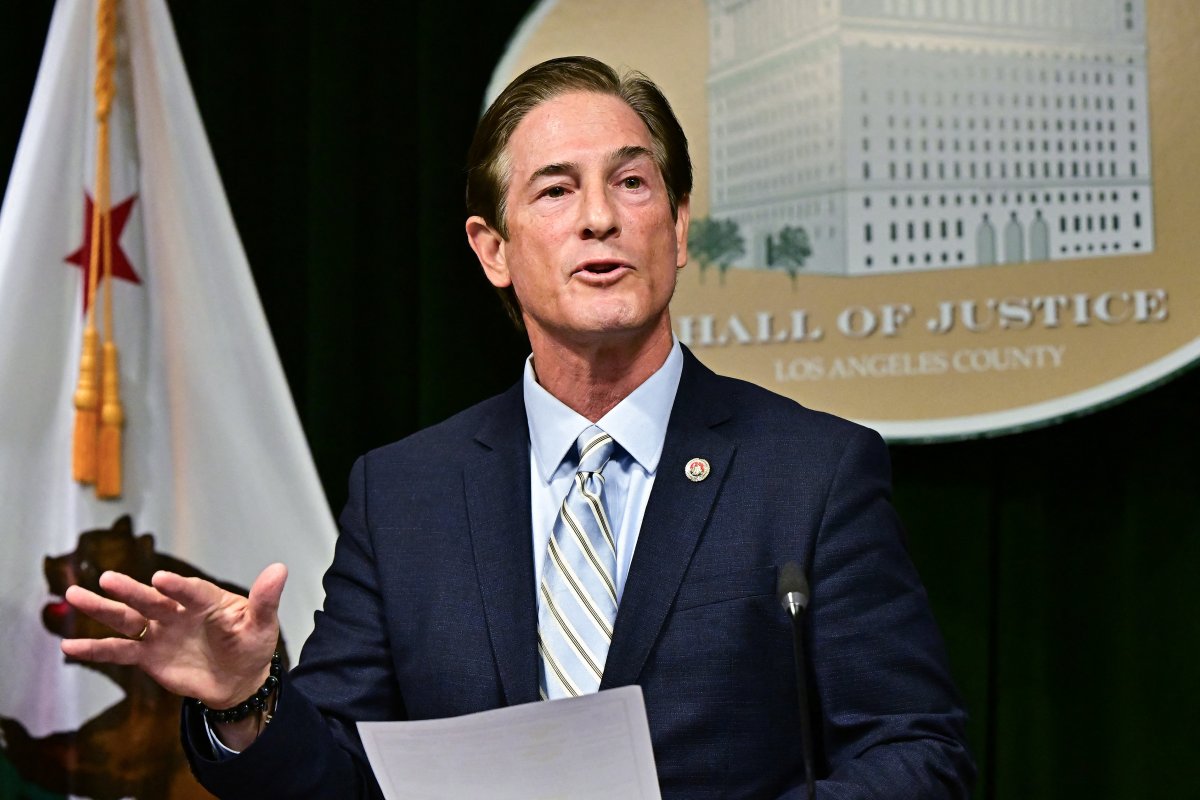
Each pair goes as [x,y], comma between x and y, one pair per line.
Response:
[555,191]
[632,183]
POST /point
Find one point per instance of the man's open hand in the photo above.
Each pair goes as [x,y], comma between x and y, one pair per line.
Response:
[190,635]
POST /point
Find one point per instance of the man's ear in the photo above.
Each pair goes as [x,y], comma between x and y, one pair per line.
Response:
[488,245]
[683,217]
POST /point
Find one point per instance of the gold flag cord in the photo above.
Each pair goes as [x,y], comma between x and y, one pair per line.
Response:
[98,413]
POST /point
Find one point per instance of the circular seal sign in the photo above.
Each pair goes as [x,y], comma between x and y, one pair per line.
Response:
[942,220]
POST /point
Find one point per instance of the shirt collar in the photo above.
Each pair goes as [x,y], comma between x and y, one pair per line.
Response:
[638,423]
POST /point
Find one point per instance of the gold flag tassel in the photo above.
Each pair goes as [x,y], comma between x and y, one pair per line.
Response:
[98,413]
[112,415]
[87,408]
[112,419]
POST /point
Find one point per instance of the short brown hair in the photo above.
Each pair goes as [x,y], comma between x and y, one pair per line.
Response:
[487,160]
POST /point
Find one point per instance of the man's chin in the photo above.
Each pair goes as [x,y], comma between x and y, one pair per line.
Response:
[617,329]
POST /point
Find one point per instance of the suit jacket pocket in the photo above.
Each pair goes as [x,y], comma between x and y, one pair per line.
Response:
[727,586]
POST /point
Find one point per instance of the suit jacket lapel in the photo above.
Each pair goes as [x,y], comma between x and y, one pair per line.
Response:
[675,517]
[496,482]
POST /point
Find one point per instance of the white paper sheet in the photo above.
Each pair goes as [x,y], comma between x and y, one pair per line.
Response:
[595,747]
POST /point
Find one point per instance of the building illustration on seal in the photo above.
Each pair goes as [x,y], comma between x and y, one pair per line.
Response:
[904,135]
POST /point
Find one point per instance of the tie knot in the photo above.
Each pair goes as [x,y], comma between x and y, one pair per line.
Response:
[595,448]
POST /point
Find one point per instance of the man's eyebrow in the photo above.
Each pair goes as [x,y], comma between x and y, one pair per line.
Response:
[563,168]
[628,153]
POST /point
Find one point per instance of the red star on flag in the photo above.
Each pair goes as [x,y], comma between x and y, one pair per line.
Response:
[121,268]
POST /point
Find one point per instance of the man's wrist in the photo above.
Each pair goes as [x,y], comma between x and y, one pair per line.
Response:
[253,705]
[237,736]
[229,739]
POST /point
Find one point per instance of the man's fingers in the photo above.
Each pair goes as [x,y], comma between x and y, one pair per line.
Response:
[109,651]
[198,595]
[194,594]
[265,594]
[141,598]
[118,616]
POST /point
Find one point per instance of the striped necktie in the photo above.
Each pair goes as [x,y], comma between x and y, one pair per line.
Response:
[577,599]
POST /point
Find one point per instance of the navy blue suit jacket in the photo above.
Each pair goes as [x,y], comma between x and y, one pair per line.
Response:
[430,609]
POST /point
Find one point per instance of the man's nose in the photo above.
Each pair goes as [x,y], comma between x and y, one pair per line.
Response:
[599,215]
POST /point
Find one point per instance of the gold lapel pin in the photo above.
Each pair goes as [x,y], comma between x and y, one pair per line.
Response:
[697,469]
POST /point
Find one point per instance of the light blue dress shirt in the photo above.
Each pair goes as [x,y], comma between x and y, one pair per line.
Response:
[638,424]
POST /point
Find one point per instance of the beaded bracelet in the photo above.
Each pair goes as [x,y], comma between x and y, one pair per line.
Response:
[254,703]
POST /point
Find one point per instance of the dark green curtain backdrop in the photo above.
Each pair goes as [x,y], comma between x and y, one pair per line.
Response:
[1062,563]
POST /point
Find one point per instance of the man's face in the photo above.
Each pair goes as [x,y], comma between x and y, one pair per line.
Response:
[592,248]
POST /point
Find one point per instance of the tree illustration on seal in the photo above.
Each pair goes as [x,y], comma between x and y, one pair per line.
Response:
[788,251]
[715,242]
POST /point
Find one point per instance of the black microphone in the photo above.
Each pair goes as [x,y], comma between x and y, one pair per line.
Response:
[792,590]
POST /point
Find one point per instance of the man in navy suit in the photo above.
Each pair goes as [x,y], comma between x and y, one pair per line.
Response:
[437,601]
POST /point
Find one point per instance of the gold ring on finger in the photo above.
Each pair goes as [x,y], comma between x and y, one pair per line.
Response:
[142,633]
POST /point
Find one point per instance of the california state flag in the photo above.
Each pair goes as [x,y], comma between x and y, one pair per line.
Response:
[216,478]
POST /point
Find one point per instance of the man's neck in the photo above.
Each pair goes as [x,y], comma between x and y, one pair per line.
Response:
[592,378]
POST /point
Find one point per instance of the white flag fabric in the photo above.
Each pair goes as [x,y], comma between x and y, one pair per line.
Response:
[216,465]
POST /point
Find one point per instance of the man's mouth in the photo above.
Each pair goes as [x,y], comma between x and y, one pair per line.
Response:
[600,268]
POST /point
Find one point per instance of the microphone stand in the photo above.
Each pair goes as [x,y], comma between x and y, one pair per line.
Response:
[793,596]
[797,617]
